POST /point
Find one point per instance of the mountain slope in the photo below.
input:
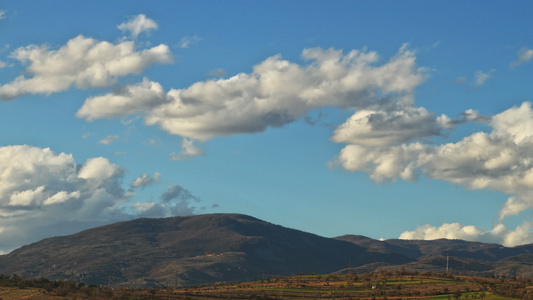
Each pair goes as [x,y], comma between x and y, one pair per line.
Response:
[420,249]
[186,250]
[231,247]
[473,258]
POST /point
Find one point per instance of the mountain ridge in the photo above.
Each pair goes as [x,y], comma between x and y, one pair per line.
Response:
[234,247]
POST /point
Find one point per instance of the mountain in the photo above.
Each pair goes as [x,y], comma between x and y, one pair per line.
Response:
[231,247]
[187,250]
[472,258]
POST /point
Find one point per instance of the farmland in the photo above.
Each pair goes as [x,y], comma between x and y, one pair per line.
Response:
[372,286]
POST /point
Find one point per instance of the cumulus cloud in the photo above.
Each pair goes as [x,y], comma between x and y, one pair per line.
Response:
[500,160]
[524,55]
[83,62]
[124,100]
[39,188]
[137,25]
[99,168]
[498,234]
[276,93]
[382,127]
[481,77]
[43,193]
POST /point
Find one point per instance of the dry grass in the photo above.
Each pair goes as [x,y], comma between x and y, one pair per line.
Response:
[373,286]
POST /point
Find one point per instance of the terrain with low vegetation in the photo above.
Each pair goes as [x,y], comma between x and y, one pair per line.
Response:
[205,249]
[399,284]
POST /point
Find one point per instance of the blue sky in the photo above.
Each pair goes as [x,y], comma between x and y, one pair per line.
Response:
[388,119]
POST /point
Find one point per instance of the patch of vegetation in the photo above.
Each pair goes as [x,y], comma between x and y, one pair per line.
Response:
[371,286]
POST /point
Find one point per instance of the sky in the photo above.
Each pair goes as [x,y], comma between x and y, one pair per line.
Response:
[389,119]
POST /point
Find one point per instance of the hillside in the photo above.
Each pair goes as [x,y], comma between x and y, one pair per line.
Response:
[473,258]
[189,250]
[212,248]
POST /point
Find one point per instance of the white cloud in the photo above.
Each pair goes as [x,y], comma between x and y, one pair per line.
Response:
[99,168]
[124,101]
[27,197]
[2,14]
[380,127]
[501,160]
[137,25]
[499,233]
[39,188]
[43,193]
[2,64]
[143,206]
[83,62]
[384,163]
[61,197]
[481,77]
[108,140]
[187,41]
[145,180]
[276,93]
[515,123]
[524,55]
[188,150]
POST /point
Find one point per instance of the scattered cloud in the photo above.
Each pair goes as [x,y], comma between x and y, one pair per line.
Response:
[217,73]
[152,142]
[124,100]
[278,92]
[43,194]
[2,64]
[382,127]
[481,77]
[40,188]
[524,55]
[188,150]
[2,14]
[138,25]
[145,180]
[175,201]
[108,140]
[387,136]
[177,192]
[83,62]
[187,41]
[499,160]
[87,135]
[499,234]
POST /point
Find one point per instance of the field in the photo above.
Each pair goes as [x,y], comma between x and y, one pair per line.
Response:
[384,285]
